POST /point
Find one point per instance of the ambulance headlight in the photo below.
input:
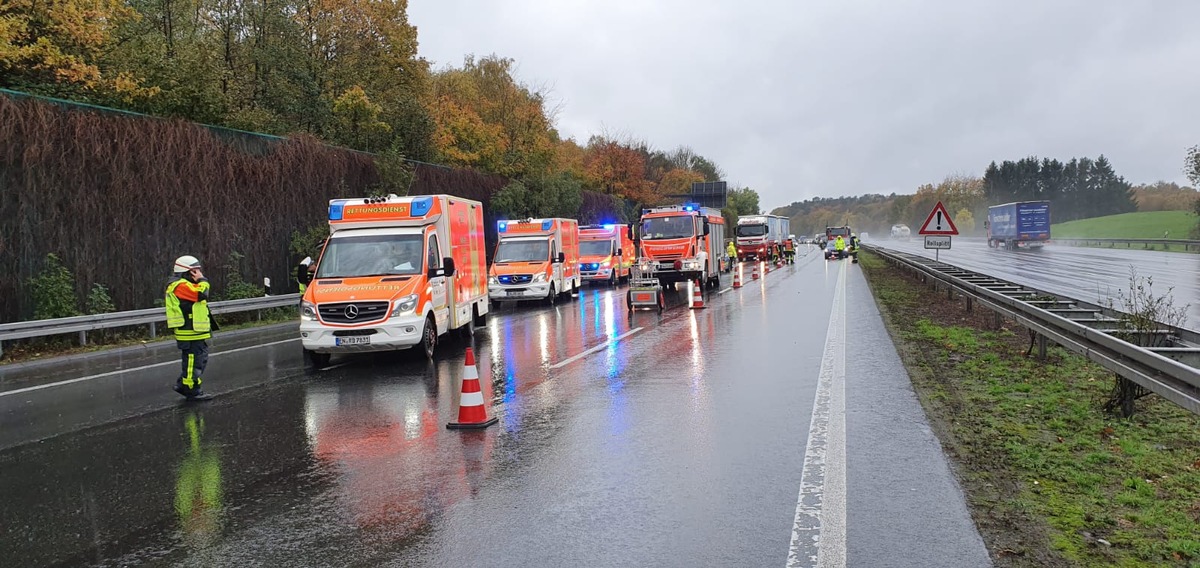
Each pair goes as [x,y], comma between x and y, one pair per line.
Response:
[405,305]
[308,311]
[539,277]
[493,280]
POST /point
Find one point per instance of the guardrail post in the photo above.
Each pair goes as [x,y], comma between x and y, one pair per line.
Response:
[970,304]
[1041,347]
[153,330]
[82,338]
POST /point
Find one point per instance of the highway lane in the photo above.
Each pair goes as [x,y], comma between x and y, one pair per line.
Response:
[1089,274]
[682,443]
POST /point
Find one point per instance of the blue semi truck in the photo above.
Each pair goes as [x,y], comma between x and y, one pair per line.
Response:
[1023,223]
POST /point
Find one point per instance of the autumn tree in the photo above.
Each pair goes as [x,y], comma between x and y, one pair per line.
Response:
[356,122]
[53,47]
[547,196]
[744,201]
[613,168]
[482,102]
[964,221]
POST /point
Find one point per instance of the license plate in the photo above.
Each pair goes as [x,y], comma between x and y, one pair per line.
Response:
[515,292]
[354,340]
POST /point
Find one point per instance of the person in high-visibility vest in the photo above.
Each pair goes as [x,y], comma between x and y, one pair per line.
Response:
[187,315]
[731,252]
[304,272]
[789,251]
[839,246]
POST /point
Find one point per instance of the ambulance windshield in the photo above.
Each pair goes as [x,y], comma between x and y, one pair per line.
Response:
[371,255]
[537,250]
[595,248]
[676,227]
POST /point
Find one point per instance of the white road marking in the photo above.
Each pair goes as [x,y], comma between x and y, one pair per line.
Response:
[723,291]
[819,529]
[600,347]
[142,368]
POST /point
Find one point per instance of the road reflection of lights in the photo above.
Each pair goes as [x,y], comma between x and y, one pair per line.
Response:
[596,309]
[544,337]
[699,387]
[610,316]
[412,420]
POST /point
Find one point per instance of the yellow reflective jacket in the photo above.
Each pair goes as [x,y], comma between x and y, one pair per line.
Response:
[187,309]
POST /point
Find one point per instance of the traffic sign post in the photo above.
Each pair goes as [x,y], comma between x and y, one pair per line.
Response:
[937,229]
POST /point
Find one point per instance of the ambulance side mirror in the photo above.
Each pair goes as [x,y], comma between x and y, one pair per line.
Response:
[448,266]
[633,235]
[620,252]
[562,257]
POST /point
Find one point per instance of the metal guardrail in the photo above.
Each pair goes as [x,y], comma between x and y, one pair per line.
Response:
[1146,243]
[148,316]
[1171,368]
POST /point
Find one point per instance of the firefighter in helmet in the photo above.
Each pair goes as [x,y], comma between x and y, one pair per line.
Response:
[186,304]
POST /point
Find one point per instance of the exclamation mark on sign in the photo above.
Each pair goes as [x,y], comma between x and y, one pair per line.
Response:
[939,224]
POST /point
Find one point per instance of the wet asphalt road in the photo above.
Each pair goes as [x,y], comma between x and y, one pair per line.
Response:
[1088,274]
[679,439]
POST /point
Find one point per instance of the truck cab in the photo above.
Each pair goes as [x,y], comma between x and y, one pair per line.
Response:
[536,259]
[395,272]
[754,238]
[682,242]
[606,253]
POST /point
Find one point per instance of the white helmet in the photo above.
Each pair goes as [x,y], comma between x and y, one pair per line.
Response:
[186,263]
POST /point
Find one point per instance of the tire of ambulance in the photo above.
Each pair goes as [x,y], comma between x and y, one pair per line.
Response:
[429,338]
[316,360]
[612,279]
[552,296]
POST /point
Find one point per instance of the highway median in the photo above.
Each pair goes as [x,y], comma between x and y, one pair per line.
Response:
[1050,477]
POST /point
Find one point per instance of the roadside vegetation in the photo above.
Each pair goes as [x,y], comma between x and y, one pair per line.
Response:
[1140,225]
[1051,478]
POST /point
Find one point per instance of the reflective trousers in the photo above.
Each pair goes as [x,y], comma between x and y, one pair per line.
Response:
[194,355]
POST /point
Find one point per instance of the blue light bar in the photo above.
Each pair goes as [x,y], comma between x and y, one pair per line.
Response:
[609,227]
[421,206]
[547,224]
[501,226]
[335,210]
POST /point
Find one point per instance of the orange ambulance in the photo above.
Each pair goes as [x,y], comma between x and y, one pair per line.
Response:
[536,259]
[606,253]
[396,272]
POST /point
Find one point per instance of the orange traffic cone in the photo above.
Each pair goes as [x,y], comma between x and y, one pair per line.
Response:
[737,276]
[471,411]
[754,273]
[697,298]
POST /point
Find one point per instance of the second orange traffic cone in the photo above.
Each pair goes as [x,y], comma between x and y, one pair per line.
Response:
[697,298]
[737,276]
[471,410]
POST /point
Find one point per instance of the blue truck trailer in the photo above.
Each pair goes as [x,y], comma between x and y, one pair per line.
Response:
[1023,223]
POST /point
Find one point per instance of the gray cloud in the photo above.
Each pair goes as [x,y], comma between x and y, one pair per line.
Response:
[822,97]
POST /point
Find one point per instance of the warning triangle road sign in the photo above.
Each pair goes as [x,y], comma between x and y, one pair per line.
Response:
[938,222]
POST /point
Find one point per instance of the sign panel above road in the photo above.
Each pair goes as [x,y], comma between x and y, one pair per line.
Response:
[939,242]
[938,222]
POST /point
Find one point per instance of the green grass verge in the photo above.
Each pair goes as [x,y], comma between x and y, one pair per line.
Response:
[1144,225]
[1049,476]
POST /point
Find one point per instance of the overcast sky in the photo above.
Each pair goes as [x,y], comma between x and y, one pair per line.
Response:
[803,98]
